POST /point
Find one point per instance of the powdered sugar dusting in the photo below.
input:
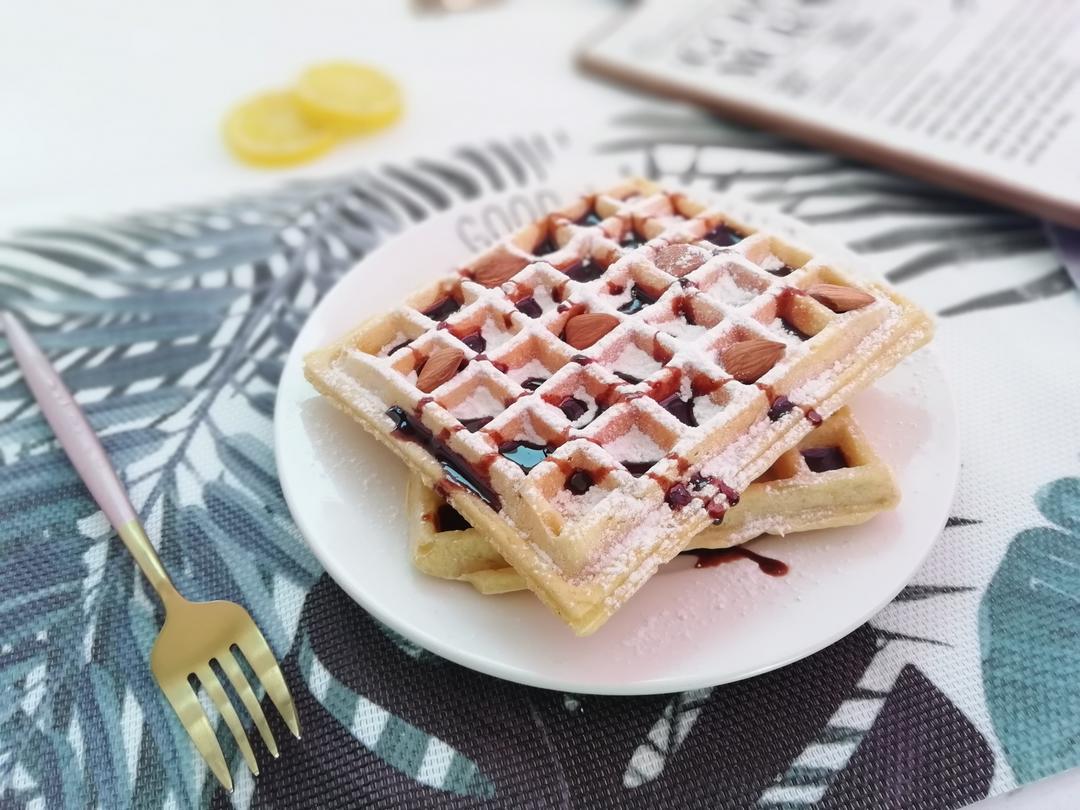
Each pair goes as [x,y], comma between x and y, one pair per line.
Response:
[635,446]
[480,402]
[494,335]
[534,368]
[573,506]
[636,362]
[398,338]
[590,407]
[681,328]
[726,288]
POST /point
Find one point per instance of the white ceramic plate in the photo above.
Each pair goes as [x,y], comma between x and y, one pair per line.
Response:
[687,628]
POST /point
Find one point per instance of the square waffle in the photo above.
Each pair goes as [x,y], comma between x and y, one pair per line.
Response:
[663,351]
[833,478]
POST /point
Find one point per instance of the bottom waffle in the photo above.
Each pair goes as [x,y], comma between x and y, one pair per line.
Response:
[832,478]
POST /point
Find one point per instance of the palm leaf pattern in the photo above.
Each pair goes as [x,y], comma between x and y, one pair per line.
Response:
[172,330]
[172,327]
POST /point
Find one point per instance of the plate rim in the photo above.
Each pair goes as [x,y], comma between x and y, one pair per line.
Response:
[492,666]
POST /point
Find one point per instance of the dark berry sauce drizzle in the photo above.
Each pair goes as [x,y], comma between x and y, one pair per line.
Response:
[823,459]
[639,299]
[525,454]
[586,270]
[579,482]
[449,519]
[723,236]
[530,307]
[712,557]
[458,471]
[443,308]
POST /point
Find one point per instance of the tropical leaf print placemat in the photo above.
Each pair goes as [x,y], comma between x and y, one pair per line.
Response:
[172,328]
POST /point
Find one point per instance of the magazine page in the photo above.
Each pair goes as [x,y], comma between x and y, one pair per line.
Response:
[987,91]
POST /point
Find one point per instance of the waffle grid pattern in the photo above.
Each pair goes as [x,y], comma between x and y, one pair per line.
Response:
[788,498]
[679,284]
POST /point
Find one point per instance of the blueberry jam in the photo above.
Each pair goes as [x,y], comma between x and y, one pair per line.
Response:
[715,508]
[443,308]
[639,299]
[574,408]
[457,470]
[475,341]
[638,468]
[547,245]
[585,270]
[529,307]
[525,454]
[723,236]
[532,383]
[679,496]
[473,425]
[823,459]
[449,519]
[579,482]
[780,406]
[681,409]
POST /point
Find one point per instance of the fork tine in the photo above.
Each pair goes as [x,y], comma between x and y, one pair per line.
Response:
[187,707]
[217,694]
[262,661]
[251,703]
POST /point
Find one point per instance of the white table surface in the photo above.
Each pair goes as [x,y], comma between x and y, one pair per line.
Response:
[116,107]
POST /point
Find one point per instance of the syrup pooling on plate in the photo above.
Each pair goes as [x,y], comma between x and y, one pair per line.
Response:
[712,557]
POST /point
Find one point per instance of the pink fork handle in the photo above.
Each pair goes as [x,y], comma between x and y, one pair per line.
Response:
[69,423]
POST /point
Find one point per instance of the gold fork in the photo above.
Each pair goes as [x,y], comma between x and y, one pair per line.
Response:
[195,634]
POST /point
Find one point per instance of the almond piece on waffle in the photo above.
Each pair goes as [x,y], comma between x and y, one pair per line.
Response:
[647,409]
[833,478]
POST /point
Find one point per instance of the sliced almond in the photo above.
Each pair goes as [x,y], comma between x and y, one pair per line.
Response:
[582,331]
[497,268]
[680,259]
[839,298]
[440,367]
[749,360]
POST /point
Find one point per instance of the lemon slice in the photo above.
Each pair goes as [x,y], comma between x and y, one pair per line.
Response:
[352,98]
[273,130]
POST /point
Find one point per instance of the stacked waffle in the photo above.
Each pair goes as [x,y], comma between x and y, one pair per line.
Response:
[592,395]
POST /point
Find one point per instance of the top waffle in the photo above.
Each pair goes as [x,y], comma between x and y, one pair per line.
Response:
[598,388]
